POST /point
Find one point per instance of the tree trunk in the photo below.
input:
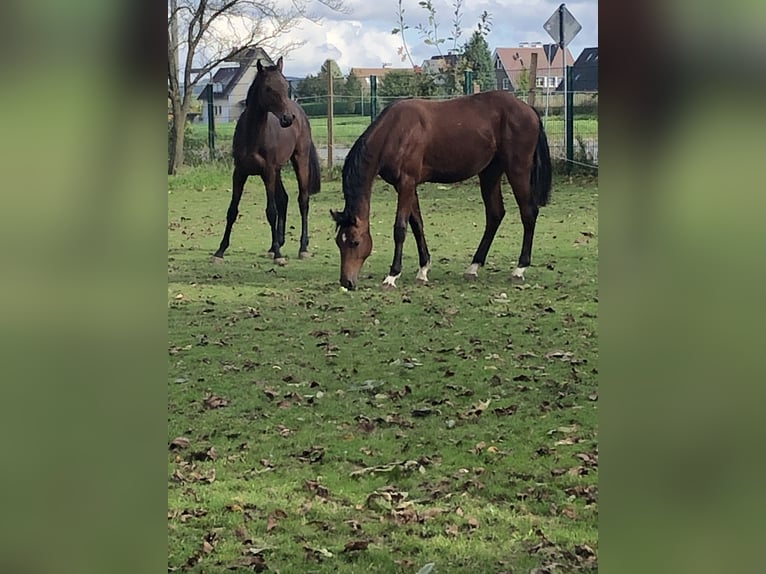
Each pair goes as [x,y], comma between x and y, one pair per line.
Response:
[176,150]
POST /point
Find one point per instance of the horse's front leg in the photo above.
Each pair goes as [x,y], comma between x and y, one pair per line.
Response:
[303,173]
[494,211]
[407,196]
[238,180]
[416,223]
[272,215]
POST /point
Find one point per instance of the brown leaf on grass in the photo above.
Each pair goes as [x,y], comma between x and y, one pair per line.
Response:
[395,419]
[452,530]
[317,554]
[270,392]
[588,458]
[212,401]
[355,525]
[400,393]
[274,519]
[312,455]
[209,542]
[479,448]
[318,489]
[209,454]
[558,471]
[242,535]
[403,466]
[207,477]
[356,545]
[589,493]
[424,411]
[473,523]
[476,410]
[430,513]
[179,443]
[569,512]
[284,431]
[365,424]
[506,411]
[255,562]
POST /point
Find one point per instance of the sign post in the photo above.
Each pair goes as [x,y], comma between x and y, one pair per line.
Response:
[563,27]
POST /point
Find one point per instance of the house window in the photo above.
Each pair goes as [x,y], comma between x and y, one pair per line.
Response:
[506,84]
[540,82]
[498,64]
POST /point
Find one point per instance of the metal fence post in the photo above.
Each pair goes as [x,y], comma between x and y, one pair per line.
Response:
[373,97]
[210,121]
[569,119]
[468,82]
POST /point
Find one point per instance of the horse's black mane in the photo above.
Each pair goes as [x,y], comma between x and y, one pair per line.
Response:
[356,169]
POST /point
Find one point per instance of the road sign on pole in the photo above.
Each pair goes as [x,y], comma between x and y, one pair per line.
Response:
[563,27]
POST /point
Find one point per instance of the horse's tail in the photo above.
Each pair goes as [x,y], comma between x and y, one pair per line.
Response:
[542,172]
[315,170]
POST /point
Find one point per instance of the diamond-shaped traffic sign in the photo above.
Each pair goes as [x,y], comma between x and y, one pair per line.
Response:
[562,33]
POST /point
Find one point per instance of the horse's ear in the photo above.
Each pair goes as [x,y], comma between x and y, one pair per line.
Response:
[279,64]
[258,66]
[337,216]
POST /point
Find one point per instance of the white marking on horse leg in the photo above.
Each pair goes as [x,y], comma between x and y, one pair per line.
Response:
[518,273]
[422,275]
[390,281]
[472,272]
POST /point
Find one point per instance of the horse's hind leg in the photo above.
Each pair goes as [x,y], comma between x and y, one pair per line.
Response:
[282,200]
[522,191]
[237,186]
[416,223]
[302,169]
[494,211]
[272,215]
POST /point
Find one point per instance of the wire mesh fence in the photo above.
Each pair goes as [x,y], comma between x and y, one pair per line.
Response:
[352,114]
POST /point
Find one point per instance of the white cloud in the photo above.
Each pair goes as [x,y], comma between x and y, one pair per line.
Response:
[363,37]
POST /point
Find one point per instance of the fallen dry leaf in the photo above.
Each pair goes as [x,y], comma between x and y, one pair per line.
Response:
[179,443]
[354,545]
[214,402]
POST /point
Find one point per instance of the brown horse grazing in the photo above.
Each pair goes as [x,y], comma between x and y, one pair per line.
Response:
[272,130]
[412,141]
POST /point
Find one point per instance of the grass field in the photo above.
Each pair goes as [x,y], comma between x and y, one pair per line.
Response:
[316,430]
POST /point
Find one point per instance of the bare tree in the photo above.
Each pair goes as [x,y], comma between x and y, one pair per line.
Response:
[204,33]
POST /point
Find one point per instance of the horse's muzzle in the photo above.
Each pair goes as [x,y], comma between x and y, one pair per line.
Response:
[286,120]
[348,284]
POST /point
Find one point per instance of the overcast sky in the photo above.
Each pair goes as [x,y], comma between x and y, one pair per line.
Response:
[363,37]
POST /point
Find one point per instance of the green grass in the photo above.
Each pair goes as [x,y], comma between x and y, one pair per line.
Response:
[452,423]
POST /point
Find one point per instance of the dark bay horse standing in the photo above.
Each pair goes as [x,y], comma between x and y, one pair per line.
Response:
[272,130]
[412,141]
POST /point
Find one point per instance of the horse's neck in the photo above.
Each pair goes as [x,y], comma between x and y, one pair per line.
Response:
[257,116]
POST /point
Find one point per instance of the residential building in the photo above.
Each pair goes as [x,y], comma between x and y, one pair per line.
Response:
[231,82]
[512,66]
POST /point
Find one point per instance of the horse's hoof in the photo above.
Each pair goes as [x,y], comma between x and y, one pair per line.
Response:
[269,255]
[218,259]
[281,261]
[470,276]
[388,286]
[421,282]
[304,255]
[516,280]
